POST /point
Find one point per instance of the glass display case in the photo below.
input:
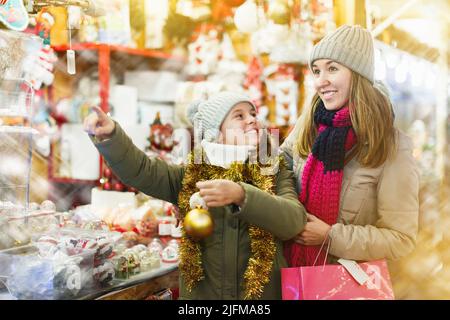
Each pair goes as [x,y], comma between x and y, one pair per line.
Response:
[16,99]
[19,220]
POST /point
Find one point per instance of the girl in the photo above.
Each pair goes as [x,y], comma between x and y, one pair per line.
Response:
[252,212]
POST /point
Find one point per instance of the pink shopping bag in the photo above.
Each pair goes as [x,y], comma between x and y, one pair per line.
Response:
[334,282]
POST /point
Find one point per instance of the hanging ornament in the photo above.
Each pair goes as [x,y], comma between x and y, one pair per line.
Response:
[246,17]
[198,223]
[71,68]
[44,23]
[13,14]
[118,186]
[107,173]
[131,189]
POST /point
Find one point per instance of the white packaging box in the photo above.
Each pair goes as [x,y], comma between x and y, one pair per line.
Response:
[83,156]
[157,86]
[139,134]
[112,199]
[124,100]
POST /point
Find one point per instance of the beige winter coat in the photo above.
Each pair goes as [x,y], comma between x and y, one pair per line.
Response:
[378,216]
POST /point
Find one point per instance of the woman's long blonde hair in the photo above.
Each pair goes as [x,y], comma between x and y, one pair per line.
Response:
[372,118]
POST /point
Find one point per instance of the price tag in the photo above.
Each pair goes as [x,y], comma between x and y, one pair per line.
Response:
[355,270]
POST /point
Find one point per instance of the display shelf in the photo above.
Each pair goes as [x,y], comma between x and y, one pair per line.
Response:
[120,285]
[134,51]
[164,276]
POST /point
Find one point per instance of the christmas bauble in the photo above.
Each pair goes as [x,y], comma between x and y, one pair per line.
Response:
[118,186]
[48,206]
[107,172]
[131,189]
[198,224]
[107,186]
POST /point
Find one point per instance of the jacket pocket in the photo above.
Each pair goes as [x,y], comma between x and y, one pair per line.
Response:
[352,203]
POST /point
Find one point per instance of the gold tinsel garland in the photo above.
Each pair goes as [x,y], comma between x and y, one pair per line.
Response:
[262,243]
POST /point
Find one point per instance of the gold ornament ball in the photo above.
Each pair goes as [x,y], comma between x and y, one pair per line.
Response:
[198,224]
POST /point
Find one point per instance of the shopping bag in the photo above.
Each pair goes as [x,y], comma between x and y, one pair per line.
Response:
[335,282]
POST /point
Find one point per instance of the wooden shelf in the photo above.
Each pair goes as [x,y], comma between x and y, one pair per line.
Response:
[101,46]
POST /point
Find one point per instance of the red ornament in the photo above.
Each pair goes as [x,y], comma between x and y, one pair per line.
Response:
[118,186]
[131,189]
[107,172]
[107,186]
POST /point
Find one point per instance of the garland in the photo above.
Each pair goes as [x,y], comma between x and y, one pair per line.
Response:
[262,243]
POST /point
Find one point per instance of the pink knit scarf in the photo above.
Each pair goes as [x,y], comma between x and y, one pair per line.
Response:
[321,180]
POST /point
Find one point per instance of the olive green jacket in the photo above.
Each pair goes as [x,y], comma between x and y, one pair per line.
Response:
[225,254]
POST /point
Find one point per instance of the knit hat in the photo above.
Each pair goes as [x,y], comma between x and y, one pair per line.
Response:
[207,115]
[351,46]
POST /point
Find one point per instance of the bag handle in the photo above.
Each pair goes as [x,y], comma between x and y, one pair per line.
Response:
[327,237]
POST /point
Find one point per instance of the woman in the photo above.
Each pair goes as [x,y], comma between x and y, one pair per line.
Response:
[252,211]
[355,171]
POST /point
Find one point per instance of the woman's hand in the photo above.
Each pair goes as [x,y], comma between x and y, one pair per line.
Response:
[314,233]
[98,123]
[221,192]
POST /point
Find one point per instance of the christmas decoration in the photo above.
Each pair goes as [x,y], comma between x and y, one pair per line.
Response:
[204,54]
[253,82]
[110,181]
[283,93]
[198,224]
[44,24]
[161,141]
[13,14]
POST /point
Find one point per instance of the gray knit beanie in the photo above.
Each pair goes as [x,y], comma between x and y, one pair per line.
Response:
[351,46]
[207,115]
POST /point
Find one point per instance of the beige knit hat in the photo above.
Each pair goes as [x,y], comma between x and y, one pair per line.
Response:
[351,46]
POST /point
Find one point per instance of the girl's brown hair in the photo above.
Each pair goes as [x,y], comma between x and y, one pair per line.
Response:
[372,118]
